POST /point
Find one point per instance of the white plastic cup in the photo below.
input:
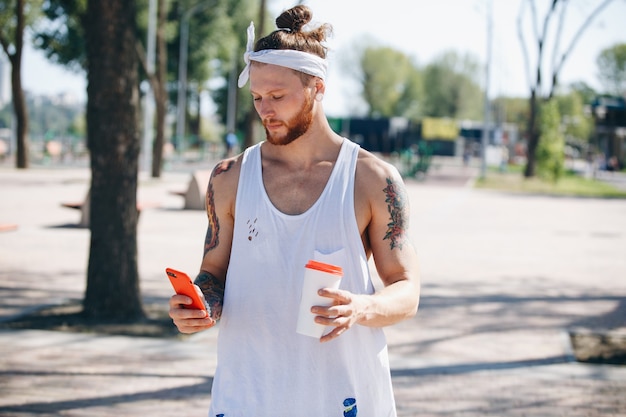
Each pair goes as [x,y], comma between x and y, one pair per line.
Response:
[317,275]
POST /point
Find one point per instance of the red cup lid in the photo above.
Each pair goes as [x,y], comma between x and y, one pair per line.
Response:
[324,267]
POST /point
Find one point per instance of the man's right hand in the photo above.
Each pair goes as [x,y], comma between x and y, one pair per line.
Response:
[188,320]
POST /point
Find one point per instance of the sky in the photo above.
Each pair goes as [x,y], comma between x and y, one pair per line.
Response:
[423,30]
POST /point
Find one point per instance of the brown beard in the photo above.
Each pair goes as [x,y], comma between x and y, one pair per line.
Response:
[296,127]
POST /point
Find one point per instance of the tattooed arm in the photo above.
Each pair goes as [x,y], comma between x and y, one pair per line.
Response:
[382,212]
[220,200]
[213,290]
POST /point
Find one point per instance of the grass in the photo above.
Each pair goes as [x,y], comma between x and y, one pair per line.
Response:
[569,185]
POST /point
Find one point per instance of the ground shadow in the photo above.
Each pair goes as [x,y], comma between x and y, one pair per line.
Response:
[465,368]
[201,389]
[68,317]
[599,338]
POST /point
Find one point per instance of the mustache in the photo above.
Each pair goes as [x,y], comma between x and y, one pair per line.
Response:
[271,121]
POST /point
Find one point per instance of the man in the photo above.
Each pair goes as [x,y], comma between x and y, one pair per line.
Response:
[304,193]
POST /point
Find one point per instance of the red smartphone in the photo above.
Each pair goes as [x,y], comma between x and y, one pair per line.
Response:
[183,285]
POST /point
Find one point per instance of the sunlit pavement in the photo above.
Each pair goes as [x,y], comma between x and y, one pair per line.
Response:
[504,277]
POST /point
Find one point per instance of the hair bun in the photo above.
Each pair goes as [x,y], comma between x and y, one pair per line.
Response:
[294,19]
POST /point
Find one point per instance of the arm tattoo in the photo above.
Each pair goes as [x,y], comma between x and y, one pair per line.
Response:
[212,234]
[396,199]
[213,290]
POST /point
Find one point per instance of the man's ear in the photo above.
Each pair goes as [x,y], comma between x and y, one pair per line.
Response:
[320,86]
[319,89]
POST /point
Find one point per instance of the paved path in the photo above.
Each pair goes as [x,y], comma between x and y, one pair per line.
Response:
[504,277]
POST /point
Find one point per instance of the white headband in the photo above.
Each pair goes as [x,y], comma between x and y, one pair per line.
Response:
[289,58]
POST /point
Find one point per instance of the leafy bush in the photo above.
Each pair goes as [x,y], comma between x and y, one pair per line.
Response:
[550,150]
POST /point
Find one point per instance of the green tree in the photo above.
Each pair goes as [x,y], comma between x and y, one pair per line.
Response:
[63,39]
[63,42]
[109,35]
[15,17]
[411,102]
[612,69]
[215,33]
[576,125]
[213,40]
[391,82]
[157,76]
[113,141]
[511,110]
[550,151]
[228,67]
[451,87]
[197,15]
[216,29]
[544,88]
[584,90]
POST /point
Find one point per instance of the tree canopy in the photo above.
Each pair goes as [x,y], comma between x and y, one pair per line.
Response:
[62,37]
[544,88]
[451,87]
[612,69]
[391,83]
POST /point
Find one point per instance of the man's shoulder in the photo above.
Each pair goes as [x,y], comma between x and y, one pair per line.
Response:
[226,167]
[225,173]
[371,167]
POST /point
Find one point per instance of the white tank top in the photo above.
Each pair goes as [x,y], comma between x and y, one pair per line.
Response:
[265,368]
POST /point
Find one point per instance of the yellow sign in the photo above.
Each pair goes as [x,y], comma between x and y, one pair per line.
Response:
[439,128]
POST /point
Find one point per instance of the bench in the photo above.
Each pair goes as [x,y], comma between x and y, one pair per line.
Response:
[84,209]
[83,206]
[195,195]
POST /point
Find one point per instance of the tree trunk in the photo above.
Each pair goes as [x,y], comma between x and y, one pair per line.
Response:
[160,93]
[19,102]
[21,115]
[113,139]
[533,135]
[159,140]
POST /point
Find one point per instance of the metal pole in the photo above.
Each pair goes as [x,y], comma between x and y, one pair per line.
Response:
[148,112]
[486,118]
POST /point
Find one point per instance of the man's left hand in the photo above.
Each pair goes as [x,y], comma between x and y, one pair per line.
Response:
[346,311]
